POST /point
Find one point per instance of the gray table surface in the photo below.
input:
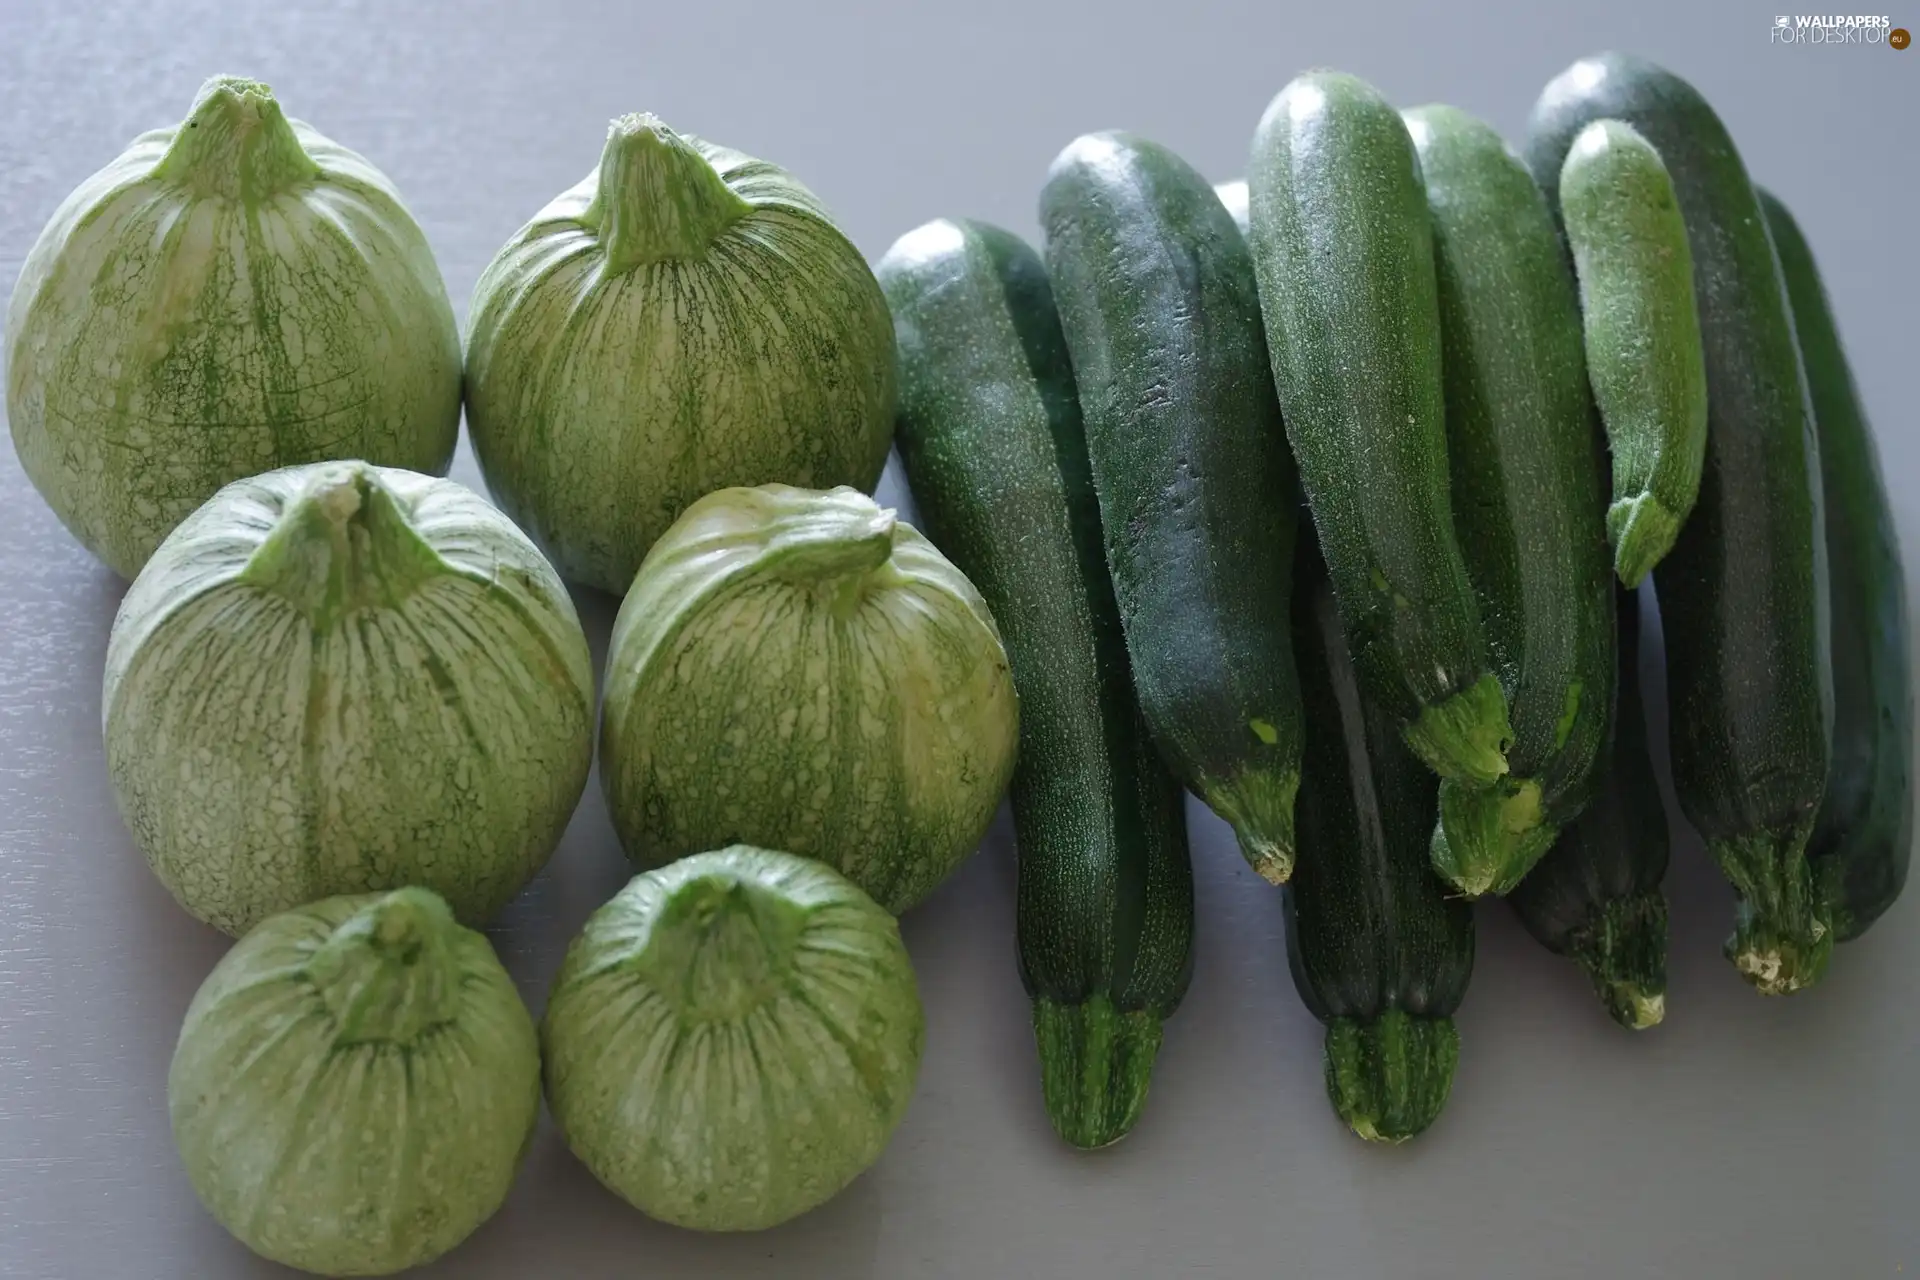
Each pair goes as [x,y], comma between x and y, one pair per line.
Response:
[1745,1137]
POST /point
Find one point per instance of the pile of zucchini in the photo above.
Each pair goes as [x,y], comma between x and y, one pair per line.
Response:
[1329,497]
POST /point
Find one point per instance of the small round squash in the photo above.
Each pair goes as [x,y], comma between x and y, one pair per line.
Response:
[355,1085]
[344,678]
[733,1038]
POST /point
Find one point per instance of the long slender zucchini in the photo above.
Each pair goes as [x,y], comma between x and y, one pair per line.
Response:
[1744,590]
[1863,837]
[1529,502]
[1197,492]
[989,429]
[1380,951]
[1344,256]
[1642,332]
[1596,897]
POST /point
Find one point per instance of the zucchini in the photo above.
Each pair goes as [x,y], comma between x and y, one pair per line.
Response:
[1744,590]
[1528,499]
[1863,838]
[1197,492]
[1596,895]
[990,432]
[1344,258]
[1380,951]
[1644,360]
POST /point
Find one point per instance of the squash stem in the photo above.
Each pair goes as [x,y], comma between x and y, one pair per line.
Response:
[657,199]
[1643,531]
[1782,938]
[1624,952]
[1095,1064]
[388,974]
[1466,734]
[236,143]
[1259,806]
[1488,838]
[344,544]
[1388,1077]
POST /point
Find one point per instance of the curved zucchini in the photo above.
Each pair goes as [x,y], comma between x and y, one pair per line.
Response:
[1863,837]
[1197,492]
[989,429]
[1642,334]
[1596,897]
[1344,256]
[1528,498]
[1744,590]
[1380,951]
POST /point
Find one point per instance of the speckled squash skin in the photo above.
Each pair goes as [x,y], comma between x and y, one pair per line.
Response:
[1380,947]
[1743,593]
[342,678]
[1528,495]
[991,437]
[1343,251]
[685,319]
[733,1039]
[229,296]
[1863,839]
[355,1085]
[801,671]
[1198,499]
[1642,335]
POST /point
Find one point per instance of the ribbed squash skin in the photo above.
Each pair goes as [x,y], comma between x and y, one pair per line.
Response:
[1863,838]
[1380,948]
[1596,897]
[991,435]
[685,319]
[1197,492]
[1343,251]
[1744,590]
[231,295]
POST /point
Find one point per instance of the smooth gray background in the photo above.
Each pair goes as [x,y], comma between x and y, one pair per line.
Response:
[1746,1137]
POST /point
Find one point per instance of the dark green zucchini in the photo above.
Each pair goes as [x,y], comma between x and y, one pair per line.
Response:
[1197,493]
[1529,498]
[1344,256]
[989,429]
[1596,897]
[1744,590]
[1863,837]
[1380,951]
[1642,330]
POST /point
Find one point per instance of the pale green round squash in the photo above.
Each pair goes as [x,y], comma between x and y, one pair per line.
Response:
[355,1085]
[341,678]
[684,319]
[231,295]
[733,1039]
[801,671]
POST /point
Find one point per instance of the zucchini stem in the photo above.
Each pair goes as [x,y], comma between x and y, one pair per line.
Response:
[1466,734]
[1624,952]
[1095,1064]
[1488,838]
[1782,937]
[1389,1076]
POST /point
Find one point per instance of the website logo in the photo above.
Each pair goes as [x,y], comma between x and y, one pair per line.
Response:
[1837,30]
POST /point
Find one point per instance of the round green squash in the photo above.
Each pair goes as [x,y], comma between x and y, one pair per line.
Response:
[733,1039]
[340,678]
[801,671]
[355,1085]
[229,296]
[684,319]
